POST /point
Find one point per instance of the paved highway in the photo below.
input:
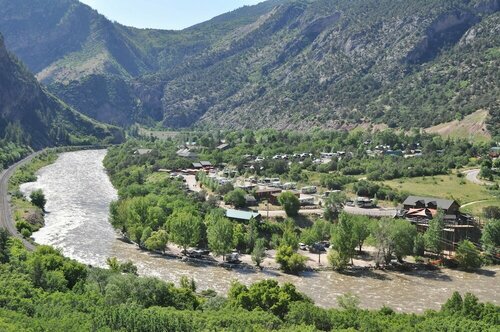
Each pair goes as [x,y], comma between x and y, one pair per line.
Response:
[6,219]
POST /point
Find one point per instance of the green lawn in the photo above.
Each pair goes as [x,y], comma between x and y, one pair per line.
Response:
[443,186]
[476,209]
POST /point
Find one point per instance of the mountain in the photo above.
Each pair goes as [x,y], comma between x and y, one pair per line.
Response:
[284,64]
[29,115]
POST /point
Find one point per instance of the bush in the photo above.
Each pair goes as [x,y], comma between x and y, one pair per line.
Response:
[491,212]
[20,225]
[337,262]
[290,261]
[468,256]
[25,232]
[38,199]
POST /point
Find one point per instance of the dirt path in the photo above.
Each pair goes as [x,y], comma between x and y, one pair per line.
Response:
[476,202]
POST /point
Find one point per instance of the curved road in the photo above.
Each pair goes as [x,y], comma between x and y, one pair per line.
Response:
[6,220]
[472,175]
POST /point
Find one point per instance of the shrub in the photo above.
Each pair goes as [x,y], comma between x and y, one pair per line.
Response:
[290,261]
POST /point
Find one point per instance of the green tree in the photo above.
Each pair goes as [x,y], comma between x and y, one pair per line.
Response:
[259,252]
[343,240]
[403,236]
[289,237]
[419,245]
[434,234]
[236,198]
[220,235]
[490,238]
[468,256]
[289,260]
[360,230]
[157,241]
[334,205]
[454,304]
[290,203]
[38,199]
[185,229]
[146,233]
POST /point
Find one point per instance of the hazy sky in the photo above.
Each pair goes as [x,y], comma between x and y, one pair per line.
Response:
[164,14]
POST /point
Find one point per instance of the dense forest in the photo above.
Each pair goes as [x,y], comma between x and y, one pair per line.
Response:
[281,63]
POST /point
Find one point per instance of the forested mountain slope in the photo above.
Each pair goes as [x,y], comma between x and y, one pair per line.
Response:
[282,63]
[31,116]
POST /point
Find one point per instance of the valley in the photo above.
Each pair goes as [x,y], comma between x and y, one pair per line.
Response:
[291,165]
[77,223]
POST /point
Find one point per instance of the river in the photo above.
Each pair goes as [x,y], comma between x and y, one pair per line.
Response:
[79,192]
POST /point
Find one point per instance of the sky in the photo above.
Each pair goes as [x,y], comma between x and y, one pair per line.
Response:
[164,14]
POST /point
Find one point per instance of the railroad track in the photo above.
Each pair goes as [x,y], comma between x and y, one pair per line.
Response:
[6,219]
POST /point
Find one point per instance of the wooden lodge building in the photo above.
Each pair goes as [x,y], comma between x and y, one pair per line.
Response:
[420,210]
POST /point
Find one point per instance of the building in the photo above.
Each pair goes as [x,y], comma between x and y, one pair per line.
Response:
[223,147]
[309,190]
[251,200]
[495,152]
[242,216]
[266,193]
[363,202]
[306,200]
[428,206]
[197,166]
[420,210]
[142,152]
[186,153]
[206,164]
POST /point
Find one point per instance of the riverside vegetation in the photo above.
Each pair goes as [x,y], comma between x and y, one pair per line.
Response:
[44,291]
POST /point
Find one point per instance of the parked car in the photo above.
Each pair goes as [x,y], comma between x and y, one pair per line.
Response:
[233,258]
[317,248]
[303,246]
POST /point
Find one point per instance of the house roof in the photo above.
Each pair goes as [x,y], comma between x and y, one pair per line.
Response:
[197,165]
[186,153]
[444,204]
[241,215]
[143,151]
[268,190]
[250,198]
[205,163]
[223,146]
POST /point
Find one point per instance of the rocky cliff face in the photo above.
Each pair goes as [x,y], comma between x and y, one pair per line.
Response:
[31,116]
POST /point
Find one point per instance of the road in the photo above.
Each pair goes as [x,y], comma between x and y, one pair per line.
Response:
[282,213]
[192,183]
[472,175]
[6,220]
[375,212]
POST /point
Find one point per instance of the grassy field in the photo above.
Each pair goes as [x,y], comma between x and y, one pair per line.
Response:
[443,186]
[477,208]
